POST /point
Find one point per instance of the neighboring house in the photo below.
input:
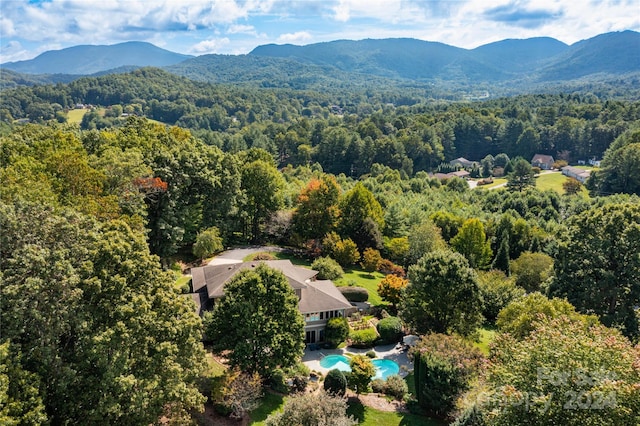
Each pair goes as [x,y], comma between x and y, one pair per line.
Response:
[318,300]
[576,173]
[460,173]
[545,162]
[463,162]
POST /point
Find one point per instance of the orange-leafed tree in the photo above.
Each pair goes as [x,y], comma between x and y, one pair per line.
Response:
[390,288]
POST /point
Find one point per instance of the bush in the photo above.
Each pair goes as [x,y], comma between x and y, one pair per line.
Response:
[387,267]
[390,329]
[278,381]
[264,256]
[378,385]
[443,369]
[363,338]
[208,243]
[396,387]
[328,269]
[371,354]
[335,383]
[346,252]
[336,331]
[370,260]
[354,294]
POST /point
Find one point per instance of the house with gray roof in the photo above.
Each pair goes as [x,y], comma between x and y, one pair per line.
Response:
[580,174]
[545,162]
[318,300]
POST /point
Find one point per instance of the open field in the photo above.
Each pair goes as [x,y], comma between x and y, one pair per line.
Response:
[554,181]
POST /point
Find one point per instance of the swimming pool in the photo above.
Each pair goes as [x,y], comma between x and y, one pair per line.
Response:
[339,362]
[384,367]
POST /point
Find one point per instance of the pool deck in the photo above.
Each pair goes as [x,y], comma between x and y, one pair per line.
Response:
[393,352]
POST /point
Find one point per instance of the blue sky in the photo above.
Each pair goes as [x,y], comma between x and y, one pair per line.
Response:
[198,27]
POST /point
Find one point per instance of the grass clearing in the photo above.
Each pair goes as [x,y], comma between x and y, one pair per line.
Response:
[75,115]
[270,403]
[367,416]
[554,181]
[487,334]
[364,279]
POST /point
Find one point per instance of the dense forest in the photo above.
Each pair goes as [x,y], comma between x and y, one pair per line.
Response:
[95,215]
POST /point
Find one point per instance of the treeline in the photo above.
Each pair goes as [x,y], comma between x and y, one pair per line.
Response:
[343,132]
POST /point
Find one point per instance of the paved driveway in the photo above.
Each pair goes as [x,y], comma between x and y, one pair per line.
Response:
[236,255]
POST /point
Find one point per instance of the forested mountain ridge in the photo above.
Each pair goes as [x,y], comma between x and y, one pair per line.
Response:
[504,67]
[91,59]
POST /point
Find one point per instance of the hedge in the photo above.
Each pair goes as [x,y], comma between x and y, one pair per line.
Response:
[354,294]
[363,338]
[390,329]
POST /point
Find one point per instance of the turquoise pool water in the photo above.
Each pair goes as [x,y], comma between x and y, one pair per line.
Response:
[384,367]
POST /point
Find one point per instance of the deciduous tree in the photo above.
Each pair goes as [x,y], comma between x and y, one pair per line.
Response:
[442,295]
[258,321]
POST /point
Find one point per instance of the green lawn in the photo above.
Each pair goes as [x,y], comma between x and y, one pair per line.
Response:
[361,278]
[486,337]
[75,115]
[182,281]
[553,181]
[270,404]
[369,417]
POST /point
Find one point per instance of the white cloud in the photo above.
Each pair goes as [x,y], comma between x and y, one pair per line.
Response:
[209,46]
[241,29]
[296,37]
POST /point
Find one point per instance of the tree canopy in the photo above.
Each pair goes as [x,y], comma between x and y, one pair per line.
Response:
[258,321]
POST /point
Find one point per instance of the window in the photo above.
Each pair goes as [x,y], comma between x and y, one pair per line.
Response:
[321,315]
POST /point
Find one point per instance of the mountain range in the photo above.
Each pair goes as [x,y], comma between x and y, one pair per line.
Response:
[508,62]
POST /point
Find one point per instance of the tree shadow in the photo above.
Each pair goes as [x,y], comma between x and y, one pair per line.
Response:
[355,409]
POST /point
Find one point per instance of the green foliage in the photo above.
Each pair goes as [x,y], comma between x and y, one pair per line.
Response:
[620,167]
[597,266]
[448,223]
[365,338]
[208,243]
[261,186]
[370,259]
[371,354]
[532,270]
[335,383]
[356,206]
[396,249]
[497,291]
[336,331]
[396,387]
[442,295]
[312,409]
[521,176]
[258,321]
[520,316]
[472,243]
[328,269]
[135,344]
[355,294]
[423,239]
[444,367]
[20,402]
[345,252]
[389,329]
[564,372]
[362,370]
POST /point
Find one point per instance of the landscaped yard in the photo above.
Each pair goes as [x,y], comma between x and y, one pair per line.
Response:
[486,337]
[270,404]
[496,183]
[367,416]
[553,181]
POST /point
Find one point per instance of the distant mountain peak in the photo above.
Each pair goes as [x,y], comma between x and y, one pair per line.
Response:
[91,59]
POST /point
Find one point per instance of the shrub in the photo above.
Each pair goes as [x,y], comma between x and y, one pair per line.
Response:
[396,387]
[264,256]
[328,269]
[378,385]
[336,331]
[444,366]
[208,243]
[362,370]
[355,294]
[278,381]
[363,338]
[371,260]
[335,383]
[299,383]
[371,354]
[390,329]
[387,267]
[346,252]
